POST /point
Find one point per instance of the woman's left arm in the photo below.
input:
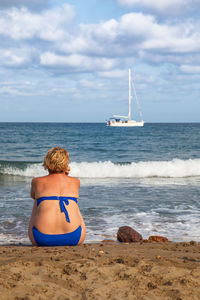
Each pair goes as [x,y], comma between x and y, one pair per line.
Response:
[33,214]
[31,223]
[33,188]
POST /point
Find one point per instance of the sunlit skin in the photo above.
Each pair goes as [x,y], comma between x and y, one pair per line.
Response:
[47,217]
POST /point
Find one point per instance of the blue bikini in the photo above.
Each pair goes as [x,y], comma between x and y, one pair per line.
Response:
[66,239]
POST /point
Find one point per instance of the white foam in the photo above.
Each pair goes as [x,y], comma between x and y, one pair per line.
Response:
[7,239]
[175,168]
[32,170]
[184,227]
[181,228]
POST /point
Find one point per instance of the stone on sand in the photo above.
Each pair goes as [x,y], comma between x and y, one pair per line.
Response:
[127,234]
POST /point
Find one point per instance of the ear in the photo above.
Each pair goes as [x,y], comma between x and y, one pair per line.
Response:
[67,171]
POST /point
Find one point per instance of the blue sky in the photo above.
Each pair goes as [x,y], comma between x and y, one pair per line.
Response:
[68,61]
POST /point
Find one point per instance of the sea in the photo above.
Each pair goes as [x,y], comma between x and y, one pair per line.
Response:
[147,178]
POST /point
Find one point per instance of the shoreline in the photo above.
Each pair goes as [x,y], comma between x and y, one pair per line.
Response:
[107,270]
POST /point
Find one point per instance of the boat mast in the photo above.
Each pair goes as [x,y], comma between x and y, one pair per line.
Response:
[129,112]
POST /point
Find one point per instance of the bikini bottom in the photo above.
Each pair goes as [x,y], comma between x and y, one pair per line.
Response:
[66,239]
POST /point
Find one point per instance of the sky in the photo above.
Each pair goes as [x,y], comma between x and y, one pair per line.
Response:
[68,61]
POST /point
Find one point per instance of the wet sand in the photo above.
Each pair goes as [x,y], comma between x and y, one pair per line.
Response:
[101,271]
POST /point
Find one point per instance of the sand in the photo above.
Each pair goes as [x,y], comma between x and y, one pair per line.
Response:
[101,271]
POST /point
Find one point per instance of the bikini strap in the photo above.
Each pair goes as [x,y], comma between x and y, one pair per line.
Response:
[62,200]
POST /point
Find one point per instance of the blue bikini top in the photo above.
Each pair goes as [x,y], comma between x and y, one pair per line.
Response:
[62,200]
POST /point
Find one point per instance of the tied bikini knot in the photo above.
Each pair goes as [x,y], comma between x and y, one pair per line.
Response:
[63,208]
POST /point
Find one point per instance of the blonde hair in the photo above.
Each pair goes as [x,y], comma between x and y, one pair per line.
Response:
[56,160]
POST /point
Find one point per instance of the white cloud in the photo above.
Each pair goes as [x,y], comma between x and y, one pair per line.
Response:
[87,83]
[14,57]
[115,73]
[76,61]
[132,34]
[48,25]
[169,7]
[91,84]
[51,39]
[190,69]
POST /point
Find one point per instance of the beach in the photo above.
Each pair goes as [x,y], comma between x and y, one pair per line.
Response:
[106,270]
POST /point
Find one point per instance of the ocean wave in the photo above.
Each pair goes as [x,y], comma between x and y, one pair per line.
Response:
[22,169]
[175,168]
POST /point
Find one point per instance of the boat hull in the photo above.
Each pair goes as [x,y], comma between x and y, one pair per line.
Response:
[125,124]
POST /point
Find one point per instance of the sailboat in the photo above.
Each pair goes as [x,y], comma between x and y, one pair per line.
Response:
[126,121]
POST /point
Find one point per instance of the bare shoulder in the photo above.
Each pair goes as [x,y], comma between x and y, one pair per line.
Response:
[36,180]
[75,180]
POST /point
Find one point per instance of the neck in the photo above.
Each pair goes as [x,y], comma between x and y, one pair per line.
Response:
[54,173]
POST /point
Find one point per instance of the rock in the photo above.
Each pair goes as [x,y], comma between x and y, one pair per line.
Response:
[193,243]
[157,238]
[127,234]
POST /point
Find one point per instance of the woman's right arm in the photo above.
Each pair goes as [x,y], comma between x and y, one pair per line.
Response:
[83,233]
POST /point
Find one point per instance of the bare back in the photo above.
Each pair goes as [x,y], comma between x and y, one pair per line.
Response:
[47,217]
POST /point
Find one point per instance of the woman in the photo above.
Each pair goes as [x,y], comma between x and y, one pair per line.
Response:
[56,219]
